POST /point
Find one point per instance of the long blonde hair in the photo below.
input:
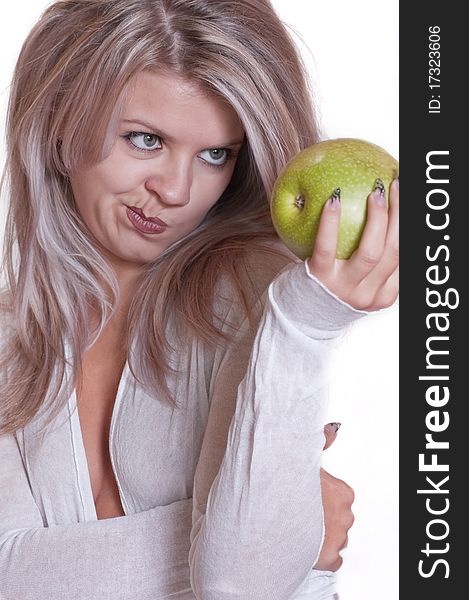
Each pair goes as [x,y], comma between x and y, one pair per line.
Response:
[68,87]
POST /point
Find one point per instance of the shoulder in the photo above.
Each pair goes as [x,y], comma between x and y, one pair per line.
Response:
[240,292]
[267,263]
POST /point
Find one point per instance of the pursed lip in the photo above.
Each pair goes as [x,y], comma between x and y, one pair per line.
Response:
[140,212]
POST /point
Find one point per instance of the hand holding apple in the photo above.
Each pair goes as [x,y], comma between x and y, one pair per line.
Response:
[330,203]
[369,279]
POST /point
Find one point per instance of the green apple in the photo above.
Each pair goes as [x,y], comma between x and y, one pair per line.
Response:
[309,179]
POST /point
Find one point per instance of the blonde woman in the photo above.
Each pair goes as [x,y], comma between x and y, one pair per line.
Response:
[163,356]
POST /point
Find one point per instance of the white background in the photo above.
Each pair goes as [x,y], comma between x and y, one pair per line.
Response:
[351,49]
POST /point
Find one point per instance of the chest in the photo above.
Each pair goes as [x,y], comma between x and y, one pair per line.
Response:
[146,458]
[96,392]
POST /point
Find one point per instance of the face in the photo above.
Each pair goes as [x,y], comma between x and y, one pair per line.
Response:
[173,156]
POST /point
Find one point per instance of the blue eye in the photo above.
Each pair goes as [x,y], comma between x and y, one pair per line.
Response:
[144,141]
[215,156]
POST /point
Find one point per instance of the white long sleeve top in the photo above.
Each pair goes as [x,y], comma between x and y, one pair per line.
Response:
[221,496]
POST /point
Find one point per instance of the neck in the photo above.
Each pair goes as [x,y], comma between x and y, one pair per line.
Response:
[127,276]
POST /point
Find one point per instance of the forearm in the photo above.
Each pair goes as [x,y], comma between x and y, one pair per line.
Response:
[263,525]
[126,557]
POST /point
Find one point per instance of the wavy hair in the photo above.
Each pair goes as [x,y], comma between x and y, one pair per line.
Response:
[70,82]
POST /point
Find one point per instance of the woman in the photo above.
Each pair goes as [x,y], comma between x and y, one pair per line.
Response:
[163,359]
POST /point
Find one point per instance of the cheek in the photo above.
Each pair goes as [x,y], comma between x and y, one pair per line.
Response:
[116,178]
[207,195]
[214,190]
[92,187]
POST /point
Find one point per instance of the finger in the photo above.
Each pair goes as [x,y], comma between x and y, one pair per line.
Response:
[390,258]
[388,293]
[330,433]
[371,246]
[325,246]
[393,227]
[391,247]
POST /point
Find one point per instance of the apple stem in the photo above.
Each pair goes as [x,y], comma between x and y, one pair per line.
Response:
[300,201]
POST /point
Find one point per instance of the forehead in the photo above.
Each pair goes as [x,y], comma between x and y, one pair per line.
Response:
[181,108]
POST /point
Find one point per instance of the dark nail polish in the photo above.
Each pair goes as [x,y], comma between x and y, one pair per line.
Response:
[336,194]
[379,185]
[334,199]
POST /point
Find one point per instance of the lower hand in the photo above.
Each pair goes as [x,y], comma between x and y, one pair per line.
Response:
[337,500]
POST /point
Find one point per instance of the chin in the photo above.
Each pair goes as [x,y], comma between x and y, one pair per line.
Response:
[119,259]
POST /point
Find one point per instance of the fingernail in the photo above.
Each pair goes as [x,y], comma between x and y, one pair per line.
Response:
[333,427]
[379,186]
[379,192]
[334,200]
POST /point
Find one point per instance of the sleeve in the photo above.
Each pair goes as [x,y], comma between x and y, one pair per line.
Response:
[257,516]
[110,559]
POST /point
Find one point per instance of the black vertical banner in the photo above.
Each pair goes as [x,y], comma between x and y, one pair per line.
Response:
[433,299]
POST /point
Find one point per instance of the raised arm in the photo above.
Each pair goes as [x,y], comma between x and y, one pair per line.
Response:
[258,519]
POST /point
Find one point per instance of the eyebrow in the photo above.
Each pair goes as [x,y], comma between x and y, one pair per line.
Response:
[157,131]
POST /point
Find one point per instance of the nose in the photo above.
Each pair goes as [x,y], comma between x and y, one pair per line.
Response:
[171,181]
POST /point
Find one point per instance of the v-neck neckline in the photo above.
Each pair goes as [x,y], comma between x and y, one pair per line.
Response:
[81,461]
